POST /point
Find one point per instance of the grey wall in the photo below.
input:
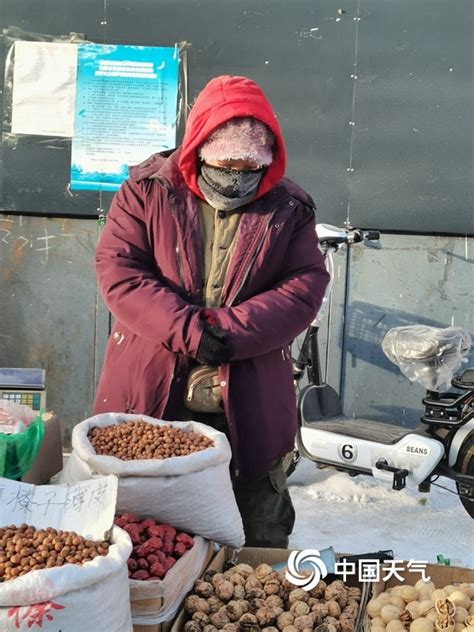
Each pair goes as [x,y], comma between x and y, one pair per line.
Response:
[403,280]
[52,316]
[375,101]
[374,97]
[409,280]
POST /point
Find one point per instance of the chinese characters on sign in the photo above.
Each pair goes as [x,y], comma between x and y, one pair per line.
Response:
[86,507]
[126,102]
[44,88]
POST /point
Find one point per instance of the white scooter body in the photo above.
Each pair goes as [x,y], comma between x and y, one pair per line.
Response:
[417,454]
[391,453]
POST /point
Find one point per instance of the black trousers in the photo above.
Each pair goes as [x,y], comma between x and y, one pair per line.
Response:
[264,503]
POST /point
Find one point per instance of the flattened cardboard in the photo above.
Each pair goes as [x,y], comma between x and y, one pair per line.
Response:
[439,574]
[49,460]
[87,507]
[157,603]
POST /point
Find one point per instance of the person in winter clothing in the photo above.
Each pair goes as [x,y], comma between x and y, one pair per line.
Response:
[210,257]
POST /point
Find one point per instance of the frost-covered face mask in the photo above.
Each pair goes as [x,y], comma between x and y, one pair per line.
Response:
[227,189]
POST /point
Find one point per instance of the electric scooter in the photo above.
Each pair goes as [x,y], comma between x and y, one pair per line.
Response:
[443,443]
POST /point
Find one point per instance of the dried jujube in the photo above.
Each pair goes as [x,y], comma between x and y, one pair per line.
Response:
[156,548]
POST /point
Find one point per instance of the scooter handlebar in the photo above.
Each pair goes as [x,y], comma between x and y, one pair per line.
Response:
[372,235]
[335,237]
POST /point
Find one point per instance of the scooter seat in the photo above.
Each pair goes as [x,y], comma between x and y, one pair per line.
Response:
[320,408]
[365,429]
[466,381]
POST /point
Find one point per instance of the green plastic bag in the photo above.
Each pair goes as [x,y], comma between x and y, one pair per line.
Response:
[18,451]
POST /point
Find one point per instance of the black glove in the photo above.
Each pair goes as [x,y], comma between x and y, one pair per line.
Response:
[214,348]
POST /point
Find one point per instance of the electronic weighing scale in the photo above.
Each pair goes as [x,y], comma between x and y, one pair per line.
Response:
[24,386]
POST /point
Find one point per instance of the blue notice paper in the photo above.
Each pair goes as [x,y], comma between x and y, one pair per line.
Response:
[126,104]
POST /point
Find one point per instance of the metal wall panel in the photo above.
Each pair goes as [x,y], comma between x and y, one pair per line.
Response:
[53,317]
[45,190]
[301,53]
[331,332]
[412,145]
[340,81]
[410,280]
[50,315]
[374,98]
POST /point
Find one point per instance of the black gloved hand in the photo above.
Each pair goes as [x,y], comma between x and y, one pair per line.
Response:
[214,348]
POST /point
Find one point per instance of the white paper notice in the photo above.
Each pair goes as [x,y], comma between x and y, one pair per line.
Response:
[88,507]
[44,88]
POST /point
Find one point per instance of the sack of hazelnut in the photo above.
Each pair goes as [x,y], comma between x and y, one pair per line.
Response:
[60,580]
[163,468]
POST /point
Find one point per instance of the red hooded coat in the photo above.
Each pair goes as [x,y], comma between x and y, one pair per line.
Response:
[149,265]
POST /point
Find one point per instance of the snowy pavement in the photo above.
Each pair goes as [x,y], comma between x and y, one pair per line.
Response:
[359,515]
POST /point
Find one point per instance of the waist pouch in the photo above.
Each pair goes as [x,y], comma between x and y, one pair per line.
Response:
[203,391]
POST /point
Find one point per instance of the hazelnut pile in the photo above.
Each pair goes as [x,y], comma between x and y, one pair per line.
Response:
[135,440]
[246,600]
[24,549]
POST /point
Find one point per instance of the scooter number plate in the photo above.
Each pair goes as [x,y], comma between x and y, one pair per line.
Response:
[347,452]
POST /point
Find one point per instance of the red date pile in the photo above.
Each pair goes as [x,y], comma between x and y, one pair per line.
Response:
[156,547]
[25,548]
[136,440]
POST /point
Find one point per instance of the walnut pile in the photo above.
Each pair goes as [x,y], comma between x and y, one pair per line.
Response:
[423,608]
[243,599]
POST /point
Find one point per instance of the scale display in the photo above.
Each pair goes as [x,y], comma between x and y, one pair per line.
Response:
[24,386]
[22,378]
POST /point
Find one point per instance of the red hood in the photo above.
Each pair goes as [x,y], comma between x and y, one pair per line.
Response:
[221,99]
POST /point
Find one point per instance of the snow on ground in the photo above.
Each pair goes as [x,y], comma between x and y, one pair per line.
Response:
[361,514]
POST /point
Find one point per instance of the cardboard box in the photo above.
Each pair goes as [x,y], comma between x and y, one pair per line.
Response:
[256,556]
[49,460]
[439,574]
[157,603]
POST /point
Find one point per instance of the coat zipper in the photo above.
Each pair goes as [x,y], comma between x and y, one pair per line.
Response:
[229,304]
[181,281]
[180,266]
[252,261]
[171,200]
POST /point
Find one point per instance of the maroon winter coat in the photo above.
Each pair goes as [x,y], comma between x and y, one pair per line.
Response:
[149,265]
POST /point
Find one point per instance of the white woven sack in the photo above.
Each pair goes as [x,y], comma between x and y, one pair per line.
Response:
[193,493]
[94,596]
